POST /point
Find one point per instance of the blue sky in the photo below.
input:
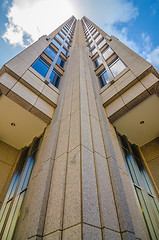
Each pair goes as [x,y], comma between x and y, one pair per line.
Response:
[134,22]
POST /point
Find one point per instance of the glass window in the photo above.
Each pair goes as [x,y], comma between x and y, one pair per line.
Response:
[117,66]
[55,78]
[91,45]
[67,45]
[97,61]
[107,52]
[56,43]
[94,32]
[93,51]
[64,51]
[59,38]
[103,78]
[61,62]
[62,34]
[101,44]
[98,37]
[41,66]
[50,52]
[144,189]
[11,207]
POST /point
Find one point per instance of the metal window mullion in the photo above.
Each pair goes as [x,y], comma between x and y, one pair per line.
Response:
[100,54]
[57,55]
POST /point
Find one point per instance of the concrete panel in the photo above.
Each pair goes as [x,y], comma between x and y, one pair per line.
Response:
[91,233]
[73,233]
[111,235]
[89,189]
[106,199]
[97,137]
[62,143]
[54,215]
[74,139]
[86,139]
[32,82]
[72,207]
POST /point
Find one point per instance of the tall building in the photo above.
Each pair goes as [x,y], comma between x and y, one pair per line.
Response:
[79,139]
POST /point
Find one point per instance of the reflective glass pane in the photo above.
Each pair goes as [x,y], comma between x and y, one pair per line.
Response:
[56,43]
[41,67]
[93,51]
[55,79]
[99,37]
[103,78]
[107,52]
[62,34]
[97,61]
[59,37]
[50,52]
[64,51]
[101,44]
[117,66]
[60,62]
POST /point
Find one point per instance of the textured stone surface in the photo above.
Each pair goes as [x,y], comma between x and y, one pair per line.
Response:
[111,235]
[89,189]
[54,213]
[86,139]
[106,199]
[91,233]
[72,207]
[73,233]
[53,236]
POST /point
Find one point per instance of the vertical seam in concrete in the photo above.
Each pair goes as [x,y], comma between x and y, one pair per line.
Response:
[106,157]
[93,155]
[66,79]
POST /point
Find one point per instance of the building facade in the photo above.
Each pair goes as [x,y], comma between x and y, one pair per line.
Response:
[79,139]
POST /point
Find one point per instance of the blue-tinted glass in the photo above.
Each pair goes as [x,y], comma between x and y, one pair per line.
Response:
[56,43]
[62,34]
[59,37]
[64,30]
[64,51]
[55,79]
[50,52]
[60,62]
[103,79]
[41,67]
[67,45]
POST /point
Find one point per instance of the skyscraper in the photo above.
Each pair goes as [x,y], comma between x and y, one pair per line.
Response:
[79,139]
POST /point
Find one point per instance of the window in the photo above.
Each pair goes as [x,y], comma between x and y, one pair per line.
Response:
[117,66]
[41,66]
[61,62]
[143,187]
[55,78]
[103,78]
[56,43]
[67,45]
[101,44]
[93,51]
[97,61]
[107,52]
[10,210]
[59,38]
[64,51]
[62,34]
[98,37]
[50,52]
[91,45]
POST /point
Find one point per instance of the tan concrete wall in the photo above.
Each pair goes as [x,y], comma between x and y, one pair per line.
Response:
[8,156]
[151,155]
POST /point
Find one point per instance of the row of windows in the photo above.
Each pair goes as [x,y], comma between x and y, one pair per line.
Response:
[143,187]
[62,41]
[10,210]
[95,43]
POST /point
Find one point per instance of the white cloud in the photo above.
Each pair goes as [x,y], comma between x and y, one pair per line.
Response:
[35,18]
[153,57]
